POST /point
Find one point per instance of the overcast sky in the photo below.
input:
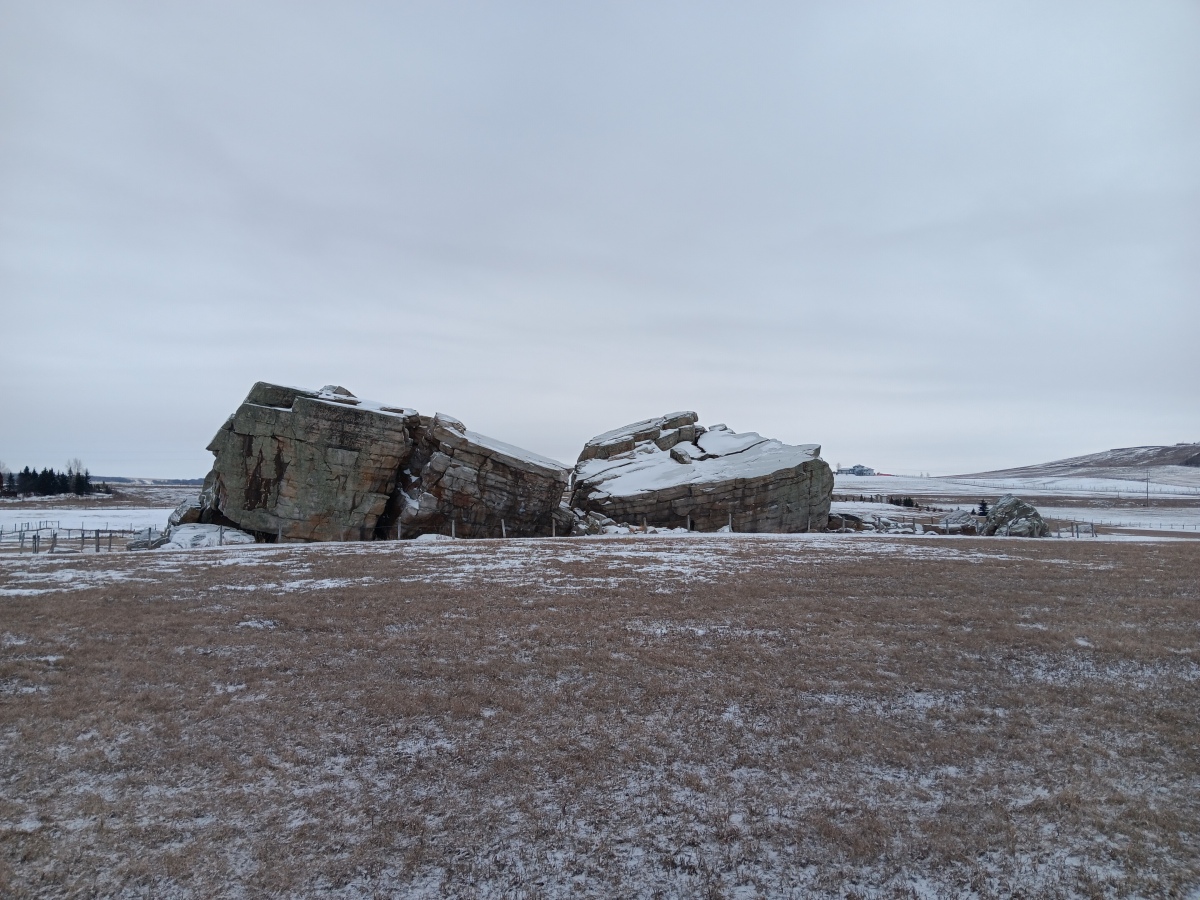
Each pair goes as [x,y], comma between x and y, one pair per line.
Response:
[931,237]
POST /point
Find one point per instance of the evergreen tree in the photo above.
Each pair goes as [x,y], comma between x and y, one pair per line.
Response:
[983,508]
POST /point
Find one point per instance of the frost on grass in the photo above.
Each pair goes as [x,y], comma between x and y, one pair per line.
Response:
[624,717]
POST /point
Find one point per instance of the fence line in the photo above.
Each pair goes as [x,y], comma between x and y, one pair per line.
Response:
[48,536]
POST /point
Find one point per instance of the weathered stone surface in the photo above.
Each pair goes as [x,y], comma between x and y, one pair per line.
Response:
[475,486]
[1013,517]
[297,465]
[670,471]
[308,465]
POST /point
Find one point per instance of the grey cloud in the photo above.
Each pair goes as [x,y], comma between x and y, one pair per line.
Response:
[930,236]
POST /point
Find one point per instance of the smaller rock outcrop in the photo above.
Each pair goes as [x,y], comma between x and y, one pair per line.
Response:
[148,539]
[959,522]
[1013,517]
[188,537]
[844,522]
[186,513]
[672,472]
[195,536]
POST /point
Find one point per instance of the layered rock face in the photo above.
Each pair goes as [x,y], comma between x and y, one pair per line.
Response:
[671,471]
[298,465]
[466,483]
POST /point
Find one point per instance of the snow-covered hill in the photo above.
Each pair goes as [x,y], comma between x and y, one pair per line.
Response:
[1175,465]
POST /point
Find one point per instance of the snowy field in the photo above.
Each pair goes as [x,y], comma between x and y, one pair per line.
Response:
[104,518]
[1183,520]
[972,489]
[1112,504]
[725,715]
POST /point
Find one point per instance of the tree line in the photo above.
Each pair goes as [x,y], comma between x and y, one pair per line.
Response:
[75,479]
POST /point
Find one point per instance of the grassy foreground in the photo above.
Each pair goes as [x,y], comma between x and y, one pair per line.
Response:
[724,716]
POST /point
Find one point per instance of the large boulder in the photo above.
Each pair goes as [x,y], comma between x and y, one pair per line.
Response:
[673,472]
[297,465]
[1013,517]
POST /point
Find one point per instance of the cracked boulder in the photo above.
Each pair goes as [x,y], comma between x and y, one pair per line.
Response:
[673,472]
[298,465]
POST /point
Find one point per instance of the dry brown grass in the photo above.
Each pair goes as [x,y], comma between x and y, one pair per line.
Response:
[633,717]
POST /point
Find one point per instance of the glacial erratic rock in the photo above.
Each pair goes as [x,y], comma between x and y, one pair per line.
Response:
[297,465]
[1013,517]
[671,471]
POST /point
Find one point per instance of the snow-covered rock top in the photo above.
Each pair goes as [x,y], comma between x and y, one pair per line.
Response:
[624,439]
[662,458]
[515,454]
[195,536]
[285,396]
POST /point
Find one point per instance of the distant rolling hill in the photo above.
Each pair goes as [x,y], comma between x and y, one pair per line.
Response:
[1178,464]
